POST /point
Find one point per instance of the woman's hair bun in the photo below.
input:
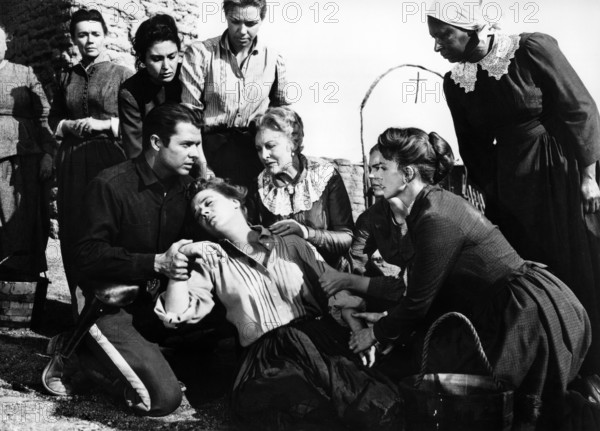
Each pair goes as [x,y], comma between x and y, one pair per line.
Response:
[444,156]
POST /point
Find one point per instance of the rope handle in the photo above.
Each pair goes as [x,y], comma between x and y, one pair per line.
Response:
[482,354]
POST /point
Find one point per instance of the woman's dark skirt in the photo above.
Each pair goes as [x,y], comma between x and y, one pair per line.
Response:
[535,333]
[538,207]
[304,372]
[77,163]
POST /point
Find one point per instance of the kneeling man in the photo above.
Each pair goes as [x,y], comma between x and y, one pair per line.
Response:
[134,220]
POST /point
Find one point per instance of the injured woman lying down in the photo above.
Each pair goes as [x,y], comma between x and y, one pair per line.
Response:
[296,366]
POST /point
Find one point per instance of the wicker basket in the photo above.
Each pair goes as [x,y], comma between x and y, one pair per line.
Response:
[21,302]
[456,401]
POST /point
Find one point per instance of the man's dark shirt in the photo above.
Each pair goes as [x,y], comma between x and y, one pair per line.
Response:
[129,217]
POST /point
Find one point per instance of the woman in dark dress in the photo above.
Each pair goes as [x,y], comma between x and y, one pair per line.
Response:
[533,329]
[379,229]
[529,134]
[298,195]
[156,46]
[85,116]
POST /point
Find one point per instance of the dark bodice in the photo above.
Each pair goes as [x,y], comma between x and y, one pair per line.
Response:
[540,87]
[91,92]
[137,97]
[329,217]
[455,247]
[376,230]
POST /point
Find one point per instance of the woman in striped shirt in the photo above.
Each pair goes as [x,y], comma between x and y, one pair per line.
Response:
[296,363]
[232,78]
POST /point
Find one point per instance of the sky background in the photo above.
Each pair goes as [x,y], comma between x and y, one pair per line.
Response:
[334,50]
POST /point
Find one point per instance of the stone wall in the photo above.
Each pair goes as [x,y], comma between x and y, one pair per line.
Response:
[353,176]
[41,35]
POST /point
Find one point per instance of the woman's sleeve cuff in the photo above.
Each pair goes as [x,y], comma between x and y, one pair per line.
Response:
[196,311]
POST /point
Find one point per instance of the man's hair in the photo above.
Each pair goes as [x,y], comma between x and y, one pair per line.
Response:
[162,120]
[229,5]
[86,15]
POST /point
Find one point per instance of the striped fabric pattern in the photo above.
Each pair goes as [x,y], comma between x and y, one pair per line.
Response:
[257,298]
[232,95]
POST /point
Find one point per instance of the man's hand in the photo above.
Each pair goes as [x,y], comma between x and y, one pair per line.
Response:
[208,253]
[173,263]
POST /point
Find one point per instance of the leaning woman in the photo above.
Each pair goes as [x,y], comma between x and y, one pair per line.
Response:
[529,133]
[296,365]
[84,114]
[533,329]
[298,195]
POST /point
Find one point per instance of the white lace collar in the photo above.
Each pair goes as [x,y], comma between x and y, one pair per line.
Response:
[496,62]
[300,195]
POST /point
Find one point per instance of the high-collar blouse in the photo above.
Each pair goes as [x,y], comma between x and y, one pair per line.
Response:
[90,91]
[318,200]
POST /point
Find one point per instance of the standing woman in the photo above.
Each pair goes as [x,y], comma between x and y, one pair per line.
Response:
[26,150]
[85,115]
[156,46]
[540,176]
[297,195]
[232,78]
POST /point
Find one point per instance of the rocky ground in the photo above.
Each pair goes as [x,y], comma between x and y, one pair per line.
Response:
[25,406]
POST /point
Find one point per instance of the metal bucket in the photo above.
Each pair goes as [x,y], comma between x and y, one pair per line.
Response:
[456,401]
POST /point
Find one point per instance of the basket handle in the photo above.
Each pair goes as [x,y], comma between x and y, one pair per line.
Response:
[482,354]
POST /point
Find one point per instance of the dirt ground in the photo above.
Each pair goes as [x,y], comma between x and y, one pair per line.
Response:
[25,406]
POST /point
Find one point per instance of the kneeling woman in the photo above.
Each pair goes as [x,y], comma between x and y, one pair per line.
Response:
[294,353]
[533,329]
[297,195]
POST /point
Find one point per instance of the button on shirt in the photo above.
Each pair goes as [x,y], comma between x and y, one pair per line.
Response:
[89,92]
[230,94]
[129,218]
